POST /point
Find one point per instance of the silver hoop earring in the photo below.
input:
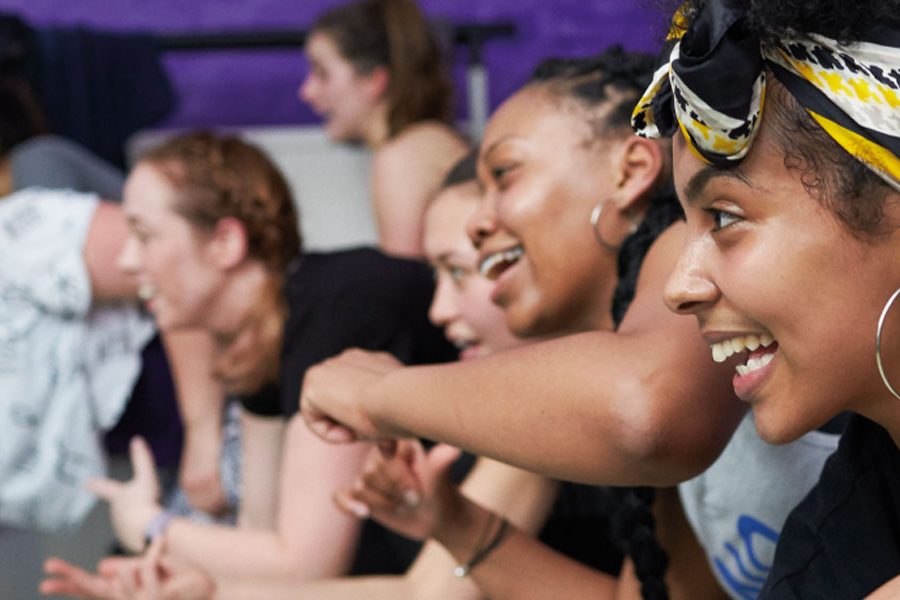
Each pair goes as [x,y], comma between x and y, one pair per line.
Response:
[595,220]
[878,361]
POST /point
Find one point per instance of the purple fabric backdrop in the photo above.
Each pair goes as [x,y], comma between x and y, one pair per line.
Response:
[259,87]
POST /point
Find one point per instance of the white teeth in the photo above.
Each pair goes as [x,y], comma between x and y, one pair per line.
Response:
[722,350]
[754,364]
[487,266]
[146,291]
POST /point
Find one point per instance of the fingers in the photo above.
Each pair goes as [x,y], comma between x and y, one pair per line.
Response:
[387,447]
[149,571]
[142,461]
[350,505]
[441,458]
[107,489]
[326,428]
[68,580]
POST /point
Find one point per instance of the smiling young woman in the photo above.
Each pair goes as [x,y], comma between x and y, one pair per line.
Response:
[790,262]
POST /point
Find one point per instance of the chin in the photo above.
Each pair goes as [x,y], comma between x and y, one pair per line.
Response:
[776,429]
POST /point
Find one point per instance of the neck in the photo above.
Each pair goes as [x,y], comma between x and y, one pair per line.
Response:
[375,131]
[236,301]
[886,412]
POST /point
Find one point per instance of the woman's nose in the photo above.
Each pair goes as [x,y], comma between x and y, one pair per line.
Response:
[483,221]
[128,260]
[690,287]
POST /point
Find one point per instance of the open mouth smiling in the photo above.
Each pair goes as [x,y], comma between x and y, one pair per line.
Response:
[493,265]
[760,351]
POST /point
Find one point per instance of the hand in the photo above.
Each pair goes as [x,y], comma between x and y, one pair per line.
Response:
[158,577]
[199,473]
[134,504]
[409,492]
[333,398]
[151,577]
[65,579]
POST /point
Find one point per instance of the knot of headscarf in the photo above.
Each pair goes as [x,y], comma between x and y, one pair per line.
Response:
[712,88]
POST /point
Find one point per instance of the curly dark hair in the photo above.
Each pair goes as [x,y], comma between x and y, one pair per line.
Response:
[847,187]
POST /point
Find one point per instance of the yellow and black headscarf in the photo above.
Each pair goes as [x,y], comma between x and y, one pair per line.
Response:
[712,88]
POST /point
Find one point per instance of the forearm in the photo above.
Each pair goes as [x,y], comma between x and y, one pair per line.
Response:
[431,576]
[578,408]
[224,551]
[520,567]
[349,588]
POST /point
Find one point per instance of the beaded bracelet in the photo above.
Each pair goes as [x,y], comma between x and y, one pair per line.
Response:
[482,552]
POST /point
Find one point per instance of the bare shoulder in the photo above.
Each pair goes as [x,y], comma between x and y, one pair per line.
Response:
[423,142]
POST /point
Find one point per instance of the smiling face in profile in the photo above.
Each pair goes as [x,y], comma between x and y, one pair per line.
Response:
[783,289]
[542,174]
[173,263]
[462,297]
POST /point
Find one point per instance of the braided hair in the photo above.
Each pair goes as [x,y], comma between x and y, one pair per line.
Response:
[217,177]
[606,87]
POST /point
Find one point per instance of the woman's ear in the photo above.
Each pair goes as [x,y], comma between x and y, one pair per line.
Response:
[377,83]
[229,243]
[640,166]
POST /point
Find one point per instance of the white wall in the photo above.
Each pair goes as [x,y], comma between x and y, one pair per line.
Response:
[329,182]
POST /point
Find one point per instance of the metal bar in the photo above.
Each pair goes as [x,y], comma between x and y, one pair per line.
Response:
[468,34]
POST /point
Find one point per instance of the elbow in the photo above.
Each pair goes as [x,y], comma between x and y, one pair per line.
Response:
[661,440]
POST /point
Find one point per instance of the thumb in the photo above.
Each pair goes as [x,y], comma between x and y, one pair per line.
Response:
[440,459]
[142,462]
[107,489]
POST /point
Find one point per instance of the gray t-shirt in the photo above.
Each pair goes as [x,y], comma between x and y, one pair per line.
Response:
[53,162]
[738,506]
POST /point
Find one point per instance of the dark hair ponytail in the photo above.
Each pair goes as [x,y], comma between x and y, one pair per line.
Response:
[420,87]
[394,34]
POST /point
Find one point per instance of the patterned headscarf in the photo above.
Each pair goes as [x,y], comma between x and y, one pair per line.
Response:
[713,89]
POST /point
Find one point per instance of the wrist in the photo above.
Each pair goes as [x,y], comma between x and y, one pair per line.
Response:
[157,526]
[460,526]
[387,407]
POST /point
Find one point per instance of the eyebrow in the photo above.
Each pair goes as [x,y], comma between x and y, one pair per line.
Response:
[699,180]
[493,147]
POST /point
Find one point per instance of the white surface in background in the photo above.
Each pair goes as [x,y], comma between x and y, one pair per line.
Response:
[329,181]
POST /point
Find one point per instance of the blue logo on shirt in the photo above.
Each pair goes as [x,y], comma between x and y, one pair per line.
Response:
[742,570]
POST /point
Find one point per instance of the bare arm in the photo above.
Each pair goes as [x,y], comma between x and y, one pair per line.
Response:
[406,172]
[888,591]
[105,239]
[525,498]
[313,539]
[201,401]
[643,405]
[262,442]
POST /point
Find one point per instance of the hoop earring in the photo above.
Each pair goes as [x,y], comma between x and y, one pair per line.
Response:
[595,220]
[878,361]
